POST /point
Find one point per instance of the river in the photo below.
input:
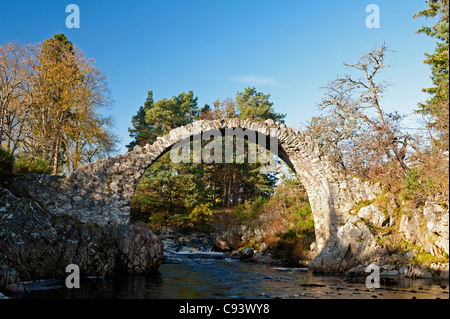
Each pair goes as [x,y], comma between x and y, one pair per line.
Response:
[198,273]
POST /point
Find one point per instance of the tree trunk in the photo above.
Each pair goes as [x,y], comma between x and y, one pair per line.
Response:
[235,189]
[225,190]
[56,158]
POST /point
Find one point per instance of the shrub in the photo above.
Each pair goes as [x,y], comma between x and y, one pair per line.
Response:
[6,162]
[257,207]
[157,220]
[417,186]
[200,214]
[249,212]
[304,223]
[27,164]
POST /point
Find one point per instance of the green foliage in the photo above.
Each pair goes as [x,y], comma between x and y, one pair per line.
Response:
[417,185]
[293,244]
[6,161]
[421,256]
[167,114]
[425,258]
[199,218]
[255,105]
[249,212]
[157,220]
[27,164]
[304,223]
[201,214]
[142,132]
[438,106]
[302,226]
[169,187]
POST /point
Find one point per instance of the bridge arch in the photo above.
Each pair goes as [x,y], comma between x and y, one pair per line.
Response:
[101,192]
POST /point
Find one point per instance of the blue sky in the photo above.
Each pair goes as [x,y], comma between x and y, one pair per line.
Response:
[289,49]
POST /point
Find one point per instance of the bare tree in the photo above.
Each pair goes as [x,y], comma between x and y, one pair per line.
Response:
[14,94]
[356,132]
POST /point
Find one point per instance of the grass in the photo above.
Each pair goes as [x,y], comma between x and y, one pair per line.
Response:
[27,164]
[426,259]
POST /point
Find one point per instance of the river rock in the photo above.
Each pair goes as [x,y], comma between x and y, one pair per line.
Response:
[264,247]
[247,253]
[266,258]
[440,270]
[2,296]
[220,246]
[415,271]
[14,289]
[390,273]
[228,241]
[8,276]
[359,270]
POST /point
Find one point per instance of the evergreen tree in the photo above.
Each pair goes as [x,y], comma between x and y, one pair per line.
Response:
[256,106]
[438,106]
[142,132]
[167,114]
[166,187]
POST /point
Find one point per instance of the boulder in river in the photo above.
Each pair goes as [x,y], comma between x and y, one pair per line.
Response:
[247,253]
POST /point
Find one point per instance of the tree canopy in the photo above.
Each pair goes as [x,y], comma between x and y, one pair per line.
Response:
[50,101]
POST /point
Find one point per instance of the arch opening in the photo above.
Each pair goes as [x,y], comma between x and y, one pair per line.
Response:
[164,209]
[253,142]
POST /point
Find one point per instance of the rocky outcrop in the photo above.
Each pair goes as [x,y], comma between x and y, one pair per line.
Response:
[35,244]
[355,246]
[380,232]
[428,227]
[436,214]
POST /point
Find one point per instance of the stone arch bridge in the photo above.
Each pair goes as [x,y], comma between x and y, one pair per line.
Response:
[101,192]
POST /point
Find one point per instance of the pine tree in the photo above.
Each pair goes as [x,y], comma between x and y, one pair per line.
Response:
[256,106]
[438,106]
[142,132]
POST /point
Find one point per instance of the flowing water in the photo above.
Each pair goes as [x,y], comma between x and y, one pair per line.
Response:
[197,273]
